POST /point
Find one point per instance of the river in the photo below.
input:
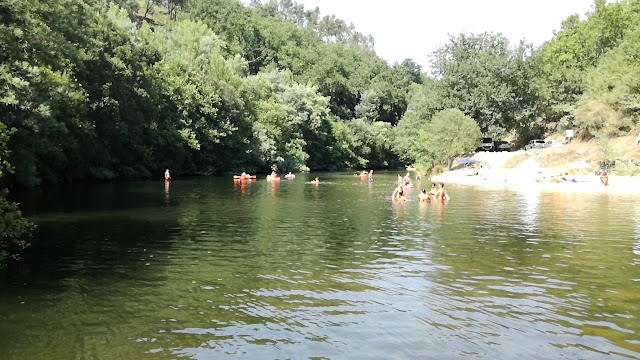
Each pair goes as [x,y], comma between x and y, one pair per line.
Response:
[206,268]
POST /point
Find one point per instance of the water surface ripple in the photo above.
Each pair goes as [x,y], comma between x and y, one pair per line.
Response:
[205,269]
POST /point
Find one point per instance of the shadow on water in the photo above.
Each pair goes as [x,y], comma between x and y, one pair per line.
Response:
[208,267]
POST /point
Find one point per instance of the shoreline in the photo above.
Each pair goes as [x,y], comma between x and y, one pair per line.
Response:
[515,179]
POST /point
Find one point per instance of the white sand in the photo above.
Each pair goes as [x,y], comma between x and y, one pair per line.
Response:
[528,174]
[515,178]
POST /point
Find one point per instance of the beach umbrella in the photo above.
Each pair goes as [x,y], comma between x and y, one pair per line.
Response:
[466,161]
[579,165]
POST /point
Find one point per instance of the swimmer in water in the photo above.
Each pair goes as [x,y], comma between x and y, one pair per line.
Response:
[407,180]
[424,195]
[396,191]
[433,190]
[442,193]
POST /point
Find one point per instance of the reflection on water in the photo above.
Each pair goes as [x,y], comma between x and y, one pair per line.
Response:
[528,207]
[264,270]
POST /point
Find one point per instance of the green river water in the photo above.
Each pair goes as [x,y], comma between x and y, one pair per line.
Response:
[207,269]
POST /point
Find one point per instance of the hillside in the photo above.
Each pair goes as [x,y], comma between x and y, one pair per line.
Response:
[622,150]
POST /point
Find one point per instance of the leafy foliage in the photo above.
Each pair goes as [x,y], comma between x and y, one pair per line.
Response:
[14,229]
[223,87]
[574,65]
[100,92]
[486,79]
[449,134]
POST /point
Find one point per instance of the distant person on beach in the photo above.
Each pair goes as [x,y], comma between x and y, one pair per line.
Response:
[604,178]
[167,175]
[477,167]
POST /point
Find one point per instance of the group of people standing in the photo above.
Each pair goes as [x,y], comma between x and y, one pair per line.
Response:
[405,183]
[438,194]
[364,174]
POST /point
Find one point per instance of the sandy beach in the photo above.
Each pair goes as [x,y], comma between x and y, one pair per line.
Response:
[529,176]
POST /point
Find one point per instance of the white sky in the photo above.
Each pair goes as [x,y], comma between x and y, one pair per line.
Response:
[415,28]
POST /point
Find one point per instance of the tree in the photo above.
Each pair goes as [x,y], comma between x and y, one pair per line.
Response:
[98,96]
[486,79]
[566,61]
[611,101]
[368,108]
[238,27]
[449,134]
[392,85]
[424,101]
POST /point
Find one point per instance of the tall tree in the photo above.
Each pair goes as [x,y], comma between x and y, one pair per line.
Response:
[485,78]
[449,134]
[576,48]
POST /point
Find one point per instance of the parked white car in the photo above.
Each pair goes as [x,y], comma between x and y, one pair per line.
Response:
[554,144]
[534,144]
[487,144]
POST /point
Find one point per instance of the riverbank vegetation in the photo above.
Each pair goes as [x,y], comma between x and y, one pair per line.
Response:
[103,91]
[15,230]
[621,152]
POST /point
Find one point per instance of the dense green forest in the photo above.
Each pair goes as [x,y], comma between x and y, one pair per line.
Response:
[99,90]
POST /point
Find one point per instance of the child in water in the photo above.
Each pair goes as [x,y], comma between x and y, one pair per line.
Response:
[398,194]
[433,190]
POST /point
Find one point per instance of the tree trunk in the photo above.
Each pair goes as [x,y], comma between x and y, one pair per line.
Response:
[146,11]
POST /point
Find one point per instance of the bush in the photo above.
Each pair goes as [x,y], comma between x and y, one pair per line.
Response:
[593,116]
[449,134]
[438,169]
[15,230]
